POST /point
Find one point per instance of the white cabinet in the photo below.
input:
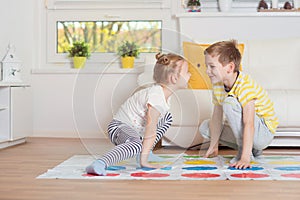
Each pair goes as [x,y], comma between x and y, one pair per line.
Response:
[4,113]
[15,113]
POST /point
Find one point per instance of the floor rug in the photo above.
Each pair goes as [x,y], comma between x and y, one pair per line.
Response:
[183,167]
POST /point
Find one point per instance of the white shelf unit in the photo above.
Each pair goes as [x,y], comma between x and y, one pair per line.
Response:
[4,113]
[3,107]
[15,111]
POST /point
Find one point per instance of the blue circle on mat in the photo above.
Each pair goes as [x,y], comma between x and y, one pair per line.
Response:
[248,168]
[166,168]
[115,168]
[146,168]
[199,168]
[288,168]
[150,168]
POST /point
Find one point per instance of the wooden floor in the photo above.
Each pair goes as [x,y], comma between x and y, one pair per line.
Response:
[20,165]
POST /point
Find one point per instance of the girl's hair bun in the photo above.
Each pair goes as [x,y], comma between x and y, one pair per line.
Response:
[162,59]
[158,55]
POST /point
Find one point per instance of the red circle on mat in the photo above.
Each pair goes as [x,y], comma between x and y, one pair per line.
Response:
[291,175]
[249,175]
[201,175]
[149,175]
[91,175]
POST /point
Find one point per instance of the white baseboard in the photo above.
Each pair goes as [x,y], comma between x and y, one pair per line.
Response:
[281,139]
[5,144]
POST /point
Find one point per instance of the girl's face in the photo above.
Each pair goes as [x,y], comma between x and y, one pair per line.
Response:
[215,70]
[184,75]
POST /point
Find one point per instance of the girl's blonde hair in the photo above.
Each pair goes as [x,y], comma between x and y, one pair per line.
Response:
[227,52]
[166,64]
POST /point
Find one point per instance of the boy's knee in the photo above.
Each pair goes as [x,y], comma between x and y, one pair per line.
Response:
[204,129]
[260,145]
[231,104]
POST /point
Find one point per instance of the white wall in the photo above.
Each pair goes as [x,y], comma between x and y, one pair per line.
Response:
[77,105]
[65,104]
[17,19]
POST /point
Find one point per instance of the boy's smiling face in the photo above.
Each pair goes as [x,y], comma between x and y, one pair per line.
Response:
[215,70]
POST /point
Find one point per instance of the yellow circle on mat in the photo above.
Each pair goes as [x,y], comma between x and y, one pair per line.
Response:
[200,162]
[285,162]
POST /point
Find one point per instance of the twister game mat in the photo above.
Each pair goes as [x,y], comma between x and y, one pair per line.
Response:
[182,167]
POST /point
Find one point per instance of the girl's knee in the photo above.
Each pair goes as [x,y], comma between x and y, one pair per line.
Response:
[137,145]
[168,119]
[165,123]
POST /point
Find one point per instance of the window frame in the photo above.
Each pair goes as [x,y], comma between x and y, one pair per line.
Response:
[55,14]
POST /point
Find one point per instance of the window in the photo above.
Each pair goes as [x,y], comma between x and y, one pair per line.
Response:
[106,36]
[104,27]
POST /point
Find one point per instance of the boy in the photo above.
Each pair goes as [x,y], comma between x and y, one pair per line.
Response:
[251,121]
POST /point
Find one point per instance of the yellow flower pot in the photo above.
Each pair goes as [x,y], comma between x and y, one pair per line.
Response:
[127,62]
[79,62]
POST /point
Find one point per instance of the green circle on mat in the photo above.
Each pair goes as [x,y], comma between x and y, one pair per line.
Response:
[164,156]
[277,157]
[192,156]
[228,156]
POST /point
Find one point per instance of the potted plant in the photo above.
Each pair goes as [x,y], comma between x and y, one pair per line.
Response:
[194,5]
[128,52]
[225,5]
[79,51]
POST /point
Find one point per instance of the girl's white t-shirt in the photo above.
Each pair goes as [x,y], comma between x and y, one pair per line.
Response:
[133,111]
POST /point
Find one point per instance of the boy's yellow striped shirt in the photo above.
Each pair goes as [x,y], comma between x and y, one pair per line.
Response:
[246,89]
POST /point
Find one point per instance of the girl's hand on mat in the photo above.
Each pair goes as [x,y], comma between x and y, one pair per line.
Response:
[211,152]
[147,164]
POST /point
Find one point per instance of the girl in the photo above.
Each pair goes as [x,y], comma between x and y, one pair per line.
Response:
[144,118]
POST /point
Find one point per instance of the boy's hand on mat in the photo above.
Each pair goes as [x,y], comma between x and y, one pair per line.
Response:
[243,163]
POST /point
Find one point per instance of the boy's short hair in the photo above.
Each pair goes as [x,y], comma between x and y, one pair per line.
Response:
[166,64]
[227,52]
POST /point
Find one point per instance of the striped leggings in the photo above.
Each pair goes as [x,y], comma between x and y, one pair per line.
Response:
[128,142]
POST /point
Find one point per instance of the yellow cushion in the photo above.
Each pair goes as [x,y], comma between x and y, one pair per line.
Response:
[194,54]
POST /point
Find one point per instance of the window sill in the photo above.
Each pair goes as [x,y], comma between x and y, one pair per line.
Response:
[13,84]
[111,70]
[239,14]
